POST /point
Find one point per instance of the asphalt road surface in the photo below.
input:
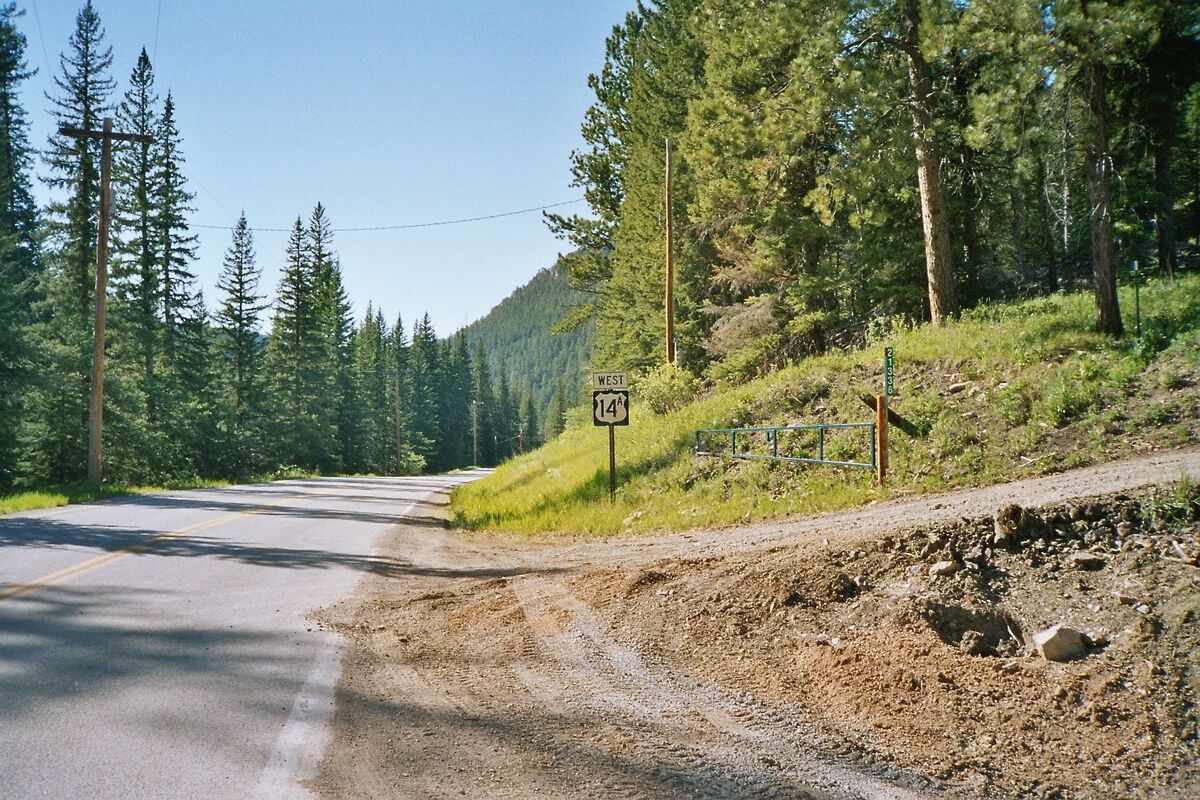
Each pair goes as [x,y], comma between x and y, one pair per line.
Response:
[159,646]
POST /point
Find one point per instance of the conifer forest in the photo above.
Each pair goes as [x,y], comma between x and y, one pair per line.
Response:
[835,167]
[258,380]
[838,165]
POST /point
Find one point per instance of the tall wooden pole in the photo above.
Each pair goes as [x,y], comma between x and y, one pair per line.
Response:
[399,429]
[96,411]
[96,407]
[669,304]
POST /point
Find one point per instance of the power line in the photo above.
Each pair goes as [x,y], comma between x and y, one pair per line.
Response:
[157,20]
[37,18]
[411,225]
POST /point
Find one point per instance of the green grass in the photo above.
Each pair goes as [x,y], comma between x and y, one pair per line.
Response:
[1045,393]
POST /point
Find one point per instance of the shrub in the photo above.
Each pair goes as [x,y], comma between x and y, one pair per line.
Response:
[666,388]
[1156,336]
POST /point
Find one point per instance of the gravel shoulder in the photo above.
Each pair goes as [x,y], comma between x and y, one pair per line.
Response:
[809,658]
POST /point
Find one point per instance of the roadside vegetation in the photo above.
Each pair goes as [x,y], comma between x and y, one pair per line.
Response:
[54,496]
[1007,391]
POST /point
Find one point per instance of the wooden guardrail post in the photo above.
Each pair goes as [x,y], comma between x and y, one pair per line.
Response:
[881,435]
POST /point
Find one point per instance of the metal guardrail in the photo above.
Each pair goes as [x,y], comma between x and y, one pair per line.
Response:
[772,434]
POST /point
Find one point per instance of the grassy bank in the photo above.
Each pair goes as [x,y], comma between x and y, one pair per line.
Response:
[53,496]
[1008,391]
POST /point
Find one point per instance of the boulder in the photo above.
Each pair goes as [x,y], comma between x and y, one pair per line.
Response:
[1060,643]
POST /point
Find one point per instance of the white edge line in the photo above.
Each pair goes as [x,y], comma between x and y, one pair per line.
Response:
[296,756]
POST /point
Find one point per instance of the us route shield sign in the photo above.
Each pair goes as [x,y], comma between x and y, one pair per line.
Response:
[610,408]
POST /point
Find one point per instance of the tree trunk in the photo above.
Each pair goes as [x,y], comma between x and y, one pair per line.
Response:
[1108,313]
[1048,253]
[1065,193]
[1164,216]
[939,268]
[1017,202]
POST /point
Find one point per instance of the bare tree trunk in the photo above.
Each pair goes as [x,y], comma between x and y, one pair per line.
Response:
[1108,313]
[1164,216]
[1047,235]
[1017,202]
[939,268]
[1065,194]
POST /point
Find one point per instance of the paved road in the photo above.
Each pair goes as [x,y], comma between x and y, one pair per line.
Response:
[158,646]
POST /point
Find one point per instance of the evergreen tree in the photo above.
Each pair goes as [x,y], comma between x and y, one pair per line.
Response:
[374,448]
[174,244]
[19,257]
[199,435]
[425,384]
[506,417]
[406,460]
[483,429]
[531,430]
[456,402]
[241,352]
[136,277]
[290,350]
[556,417]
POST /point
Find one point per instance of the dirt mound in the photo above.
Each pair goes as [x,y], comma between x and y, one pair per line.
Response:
[937,672]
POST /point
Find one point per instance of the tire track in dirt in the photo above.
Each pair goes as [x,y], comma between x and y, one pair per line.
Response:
[704,741]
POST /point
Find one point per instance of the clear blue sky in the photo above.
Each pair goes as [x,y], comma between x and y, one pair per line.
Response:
[387,112]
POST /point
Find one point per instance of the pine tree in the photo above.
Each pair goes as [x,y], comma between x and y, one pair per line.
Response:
[556,417]
[456,402]
[424,369]
[289,352]
[336,360]
[200,442]
[406,459]
[506,417]
[241,352]
[136,277]
[174,244]
[531,430]
[483,429]
[19,257]
[371,452]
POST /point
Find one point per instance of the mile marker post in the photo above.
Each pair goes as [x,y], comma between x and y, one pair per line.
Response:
[96,407]
[881,413]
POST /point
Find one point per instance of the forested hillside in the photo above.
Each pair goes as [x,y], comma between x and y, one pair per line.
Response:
[518,339]
[838,163]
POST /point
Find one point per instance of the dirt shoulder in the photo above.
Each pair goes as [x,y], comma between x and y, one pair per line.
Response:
[811,658]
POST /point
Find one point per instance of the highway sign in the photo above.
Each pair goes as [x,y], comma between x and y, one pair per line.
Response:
[610,381]
[610,408]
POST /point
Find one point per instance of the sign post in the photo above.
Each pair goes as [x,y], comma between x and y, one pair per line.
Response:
[889,371]
[610,407]
[1137,296]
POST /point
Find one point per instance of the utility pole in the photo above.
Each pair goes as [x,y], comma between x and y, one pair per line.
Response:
[399,428]
[670,288]
[475,433]
[96,409]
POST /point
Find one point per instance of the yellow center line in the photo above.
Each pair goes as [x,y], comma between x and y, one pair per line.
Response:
[22,589]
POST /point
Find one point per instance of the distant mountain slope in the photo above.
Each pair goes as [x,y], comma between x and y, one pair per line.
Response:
[516,333]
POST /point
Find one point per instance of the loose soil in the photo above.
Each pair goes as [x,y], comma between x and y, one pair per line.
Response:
[811,658]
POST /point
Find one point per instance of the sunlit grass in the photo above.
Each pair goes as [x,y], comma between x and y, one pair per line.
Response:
[1044,392]
[53,496]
